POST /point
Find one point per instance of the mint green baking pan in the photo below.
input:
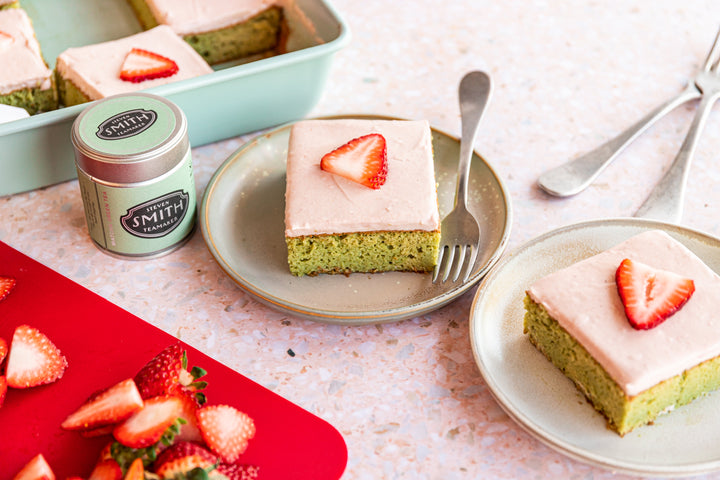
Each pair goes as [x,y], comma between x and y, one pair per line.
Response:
[233,100]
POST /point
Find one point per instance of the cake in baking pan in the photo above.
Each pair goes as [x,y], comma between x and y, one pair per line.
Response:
[25,79]
[219,30]
[147,59]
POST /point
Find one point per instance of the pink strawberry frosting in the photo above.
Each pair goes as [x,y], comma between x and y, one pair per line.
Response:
[319,202]
[583,298]
[95,69]
[21,64]
[186,17]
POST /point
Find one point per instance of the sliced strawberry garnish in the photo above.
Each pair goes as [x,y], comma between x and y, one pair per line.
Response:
[36,469]
[146,426]
[182,457]
[362,160]
[650,295]
[167,374]
[6,283]
[106,470]
[136,470]
[33,359]
[235,471]
[140,65]
[107,407]
[225,430]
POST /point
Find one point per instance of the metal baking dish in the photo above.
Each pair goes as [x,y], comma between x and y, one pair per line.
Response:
[235,99]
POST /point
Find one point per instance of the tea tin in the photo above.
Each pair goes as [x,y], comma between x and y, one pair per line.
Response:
[134,168]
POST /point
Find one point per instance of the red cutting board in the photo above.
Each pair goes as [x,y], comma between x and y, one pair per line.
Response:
[103,345]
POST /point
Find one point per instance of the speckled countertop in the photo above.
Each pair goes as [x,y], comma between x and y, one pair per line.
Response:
[407,396]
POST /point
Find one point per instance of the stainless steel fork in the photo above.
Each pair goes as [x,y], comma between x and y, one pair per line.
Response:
[574,176]
[459,230]
[666,200]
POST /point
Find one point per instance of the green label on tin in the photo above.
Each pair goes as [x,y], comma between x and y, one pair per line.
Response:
[127,125]
[144,219]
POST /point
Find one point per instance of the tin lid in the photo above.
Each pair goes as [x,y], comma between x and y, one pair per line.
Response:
[130,138]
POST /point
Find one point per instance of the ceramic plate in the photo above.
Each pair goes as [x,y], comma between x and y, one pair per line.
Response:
[543,401]
[242,220]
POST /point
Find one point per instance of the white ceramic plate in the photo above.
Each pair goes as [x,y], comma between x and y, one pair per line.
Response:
[543,401]
[242,221]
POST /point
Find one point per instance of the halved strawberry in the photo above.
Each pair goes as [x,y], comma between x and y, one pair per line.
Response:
[146,426]
[33,360]
[3,349]
[362,160]
[6,283]
[226,430]
[140,65]
[36,469]
[182,457]
[189,431]
[106,470]
[235,471]
[650,295]
[107,407]
[136,471]
[167,374]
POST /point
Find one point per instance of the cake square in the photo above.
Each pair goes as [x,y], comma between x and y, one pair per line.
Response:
[25,79]
[92,72]
[219,30]
[576,317]
[335,225]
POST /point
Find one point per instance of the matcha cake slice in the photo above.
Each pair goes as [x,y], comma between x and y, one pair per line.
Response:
[219,30]
[634,327]
[136,62]
[348,211]
[25,79]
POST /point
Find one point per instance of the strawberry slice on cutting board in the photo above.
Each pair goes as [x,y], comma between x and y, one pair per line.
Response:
[6,283]
[141,65]
[146,426]
[33,359]
[36,469]
[362,160]
[107,407]
[650,295]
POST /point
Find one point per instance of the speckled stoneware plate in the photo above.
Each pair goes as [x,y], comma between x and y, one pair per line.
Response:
[242,218]
[543,401]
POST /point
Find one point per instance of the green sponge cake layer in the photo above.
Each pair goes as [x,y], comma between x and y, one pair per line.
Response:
[15,4]
[67,91]
[34,100]
[623,413]
[258,34]
[363,252]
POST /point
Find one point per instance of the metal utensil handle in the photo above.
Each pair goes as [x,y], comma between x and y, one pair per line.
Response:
[573,177]
[474,93]
[666,200]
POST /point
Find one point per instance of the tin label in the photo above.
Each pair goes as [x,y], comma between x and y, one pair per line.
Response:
[156,217]
[141,220]
[126,124]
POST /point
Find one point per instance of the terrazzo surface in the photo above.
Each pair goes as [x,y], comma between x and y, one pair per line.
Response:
[407,396]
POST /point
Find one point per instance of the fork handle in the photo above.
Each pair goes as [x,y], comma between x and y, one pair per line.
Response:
[576,175]
[474,92]
[666,200]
